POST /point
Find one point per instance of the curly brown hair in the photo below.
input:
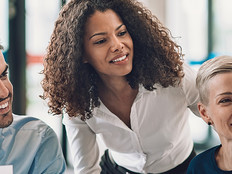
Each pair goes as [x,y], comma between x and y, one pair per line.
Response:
[70,85]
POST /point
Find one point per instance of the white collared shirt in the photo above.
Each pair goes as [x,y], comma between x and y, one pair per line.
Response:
[159,138]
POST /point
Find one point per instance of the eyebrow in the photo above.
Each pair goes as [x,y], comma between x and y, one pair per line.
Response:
[225,93]
[5,70]
[103,33]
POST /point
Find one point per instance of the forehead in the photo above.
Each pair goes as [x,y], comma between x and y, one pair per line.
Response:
[2,63]
[101,21]
[221,82]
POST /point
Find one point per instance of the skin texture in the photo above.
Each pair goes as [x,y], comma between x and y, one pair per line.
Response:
[6,95]
[218,112]
[107,39]
[72,74]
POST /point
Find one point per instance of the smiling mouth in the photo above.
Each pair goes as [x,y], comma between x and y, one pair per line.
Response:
[4,109]
[119,59]
[3,106]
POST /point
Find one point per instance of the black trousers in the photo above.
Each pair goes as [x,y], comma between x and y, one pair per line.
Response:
[110,167]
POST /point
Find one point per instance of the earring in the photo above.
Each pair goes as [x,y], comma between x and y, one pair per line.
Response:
[209,123]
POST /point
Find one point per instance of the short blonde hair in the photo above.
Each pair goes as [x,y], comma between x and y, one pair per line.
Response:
[209,69]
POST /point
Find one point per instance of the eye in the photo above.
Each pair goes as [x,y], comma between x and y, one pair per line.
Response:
[225,100]
[100,41]
[4,75]
[122,33]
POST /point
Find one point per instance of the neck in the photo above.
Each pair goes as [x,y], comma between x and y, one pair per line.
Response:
[117,88]
[224,156]
[114,85]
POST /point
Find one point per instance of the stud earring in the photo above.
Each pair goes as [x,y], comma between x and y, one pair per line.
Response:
[209,123]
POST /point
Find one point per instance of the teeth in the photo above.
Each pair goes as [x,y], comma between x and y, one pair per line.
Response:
[4,105]
[119,59]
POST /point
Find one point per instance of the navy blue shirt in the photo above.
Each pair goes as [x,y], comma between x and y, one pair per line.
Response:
[205,163]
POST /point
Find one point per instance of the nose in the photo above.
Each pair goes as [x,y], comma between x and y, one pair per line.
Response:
[116,45]
[4,92]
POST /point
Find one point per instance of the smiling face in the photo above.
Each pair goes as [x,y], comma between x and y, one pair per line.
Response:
[6,95]
[108,45]
[219,108]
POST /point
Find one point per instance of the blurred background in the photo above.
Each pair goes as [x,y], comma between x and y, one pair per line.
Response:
[202,27]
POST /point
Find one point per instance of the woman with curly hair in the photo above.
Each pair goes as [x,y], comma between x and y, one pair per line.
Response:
[113,68]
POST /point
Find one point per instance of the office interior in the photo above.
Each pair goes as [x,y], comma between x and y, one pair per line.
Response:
[203,28]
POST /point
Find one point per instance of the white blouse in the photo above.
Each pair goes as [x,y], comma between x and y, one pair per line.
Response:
[159,138]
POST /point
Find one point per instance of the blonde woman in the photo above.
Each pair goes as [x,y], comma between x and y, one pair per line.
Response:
[214,83]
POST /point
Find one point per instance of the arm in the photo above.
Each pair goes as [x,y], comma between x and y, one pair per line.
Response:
[190,90]
[49,157]
[84,147]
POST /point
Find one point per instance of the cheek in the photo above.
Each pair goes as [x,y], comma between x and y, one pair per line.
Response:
[94,58]
[220,117]
[98,56]
[131,43]
[93,54]
[8,85]
[11,90]
[95,62]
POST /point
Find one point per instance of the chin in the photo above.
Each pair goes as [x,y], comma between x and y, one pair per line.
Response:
[6,120]
[129,71]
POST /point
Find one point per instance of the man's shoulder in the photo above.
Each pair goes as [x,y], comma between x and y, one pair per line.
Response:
[28,122]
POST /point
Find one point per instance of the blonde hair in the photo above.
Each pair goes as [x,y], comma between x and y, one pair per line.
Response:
[209,69]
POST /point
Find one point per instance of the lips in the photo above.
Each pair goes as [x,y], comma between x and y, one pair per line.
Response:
[119,59]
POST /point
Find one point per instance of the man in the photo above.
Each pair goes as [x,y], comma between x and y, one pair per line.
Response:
[27,143]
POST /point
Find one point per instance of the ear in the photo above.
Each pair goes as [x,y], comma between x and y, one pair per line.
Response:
[204,113]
